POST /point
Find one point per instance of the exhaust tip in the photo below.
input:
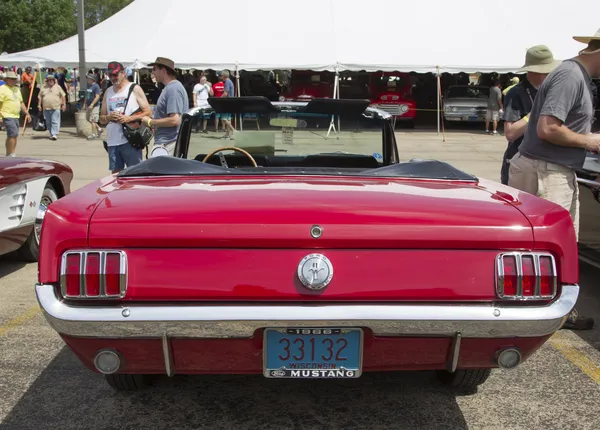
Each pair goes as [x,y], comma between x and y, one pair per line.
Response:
[508,358]
[107,361]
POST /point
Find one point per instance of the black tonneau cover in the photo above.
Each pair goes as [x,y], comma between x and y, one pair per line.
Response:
[171,166]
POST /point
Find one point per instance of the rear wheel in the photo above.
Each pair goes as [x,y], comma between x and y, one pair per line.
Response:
[126,381]
[464,379]
[30,250]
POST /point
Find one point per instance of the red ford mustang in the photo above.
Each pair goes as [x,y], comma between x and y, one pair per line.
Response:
[302,256]
[27,187]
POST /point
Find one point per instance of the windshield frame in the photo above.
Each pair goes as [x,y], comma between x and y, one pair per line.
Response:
[389,146]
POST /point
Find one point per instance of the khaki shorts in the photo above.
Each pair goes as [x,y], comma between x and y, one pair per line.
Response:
[93,115]
[492,115]
[547,180]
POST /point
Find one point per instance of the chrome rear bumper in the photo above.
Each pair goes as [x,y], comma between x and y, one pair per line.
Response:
[241,321]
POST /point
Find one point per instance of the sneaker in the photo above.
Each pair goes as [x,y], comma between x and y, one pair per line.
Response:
[495,133]
[487,132]
[577,322]
[92,136]
[100,131]
[53,137]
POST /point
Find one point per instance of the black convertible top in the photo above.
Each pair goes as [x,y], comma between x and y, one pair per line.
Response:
[171,166]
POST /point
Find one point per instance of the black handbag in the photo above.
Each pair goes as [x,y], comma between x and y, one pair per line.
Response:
[137,134]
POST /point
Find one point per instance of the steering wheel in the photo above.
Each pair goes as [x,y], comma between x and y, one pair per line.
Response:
[222,158]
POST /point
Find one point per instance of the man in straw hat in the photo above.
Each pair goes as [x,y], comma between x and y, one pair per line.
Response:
[558,137]
[171,105]
[539,61]
[11,106]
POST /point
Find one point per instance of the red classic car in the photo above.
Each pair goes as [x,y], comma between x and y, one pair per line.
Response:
[307,85]
[27,187]
[298,256]
[392,92]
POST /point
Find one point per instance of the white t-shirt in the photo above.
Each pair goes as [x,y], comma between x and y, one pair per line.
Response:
[116,102]
[202,94]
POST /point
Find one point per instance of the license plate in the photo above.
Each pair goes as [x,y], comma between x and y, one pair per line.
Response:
[473,118]
[309,353]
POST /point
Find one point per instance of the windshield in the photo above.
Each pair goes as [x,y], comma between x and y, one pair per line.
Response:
[391,82]
[468,91]
[290,133]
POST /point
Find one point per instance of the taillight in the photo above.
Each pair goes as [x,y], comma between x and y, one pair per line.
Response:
[94,274]
[526,276]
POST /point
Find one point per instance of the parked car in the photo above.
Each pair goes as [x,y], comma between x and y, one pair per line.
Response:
[466,103]
[298,256]
[27,188]
[392,92]
[307,85]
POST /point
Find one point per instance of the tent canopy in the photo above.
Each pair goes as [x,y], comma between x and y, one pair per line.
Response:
[386,35]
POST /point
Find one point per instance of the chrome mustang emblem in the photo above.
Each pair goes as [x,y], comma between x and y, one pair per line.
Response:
[315,271]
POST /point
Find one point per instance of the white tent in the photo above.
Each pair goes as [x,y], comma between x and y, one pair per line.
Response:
[327,35]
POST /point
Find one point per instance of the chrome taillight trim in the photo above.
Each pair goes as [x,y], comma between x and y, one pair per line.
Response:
[519,265]
[102,272]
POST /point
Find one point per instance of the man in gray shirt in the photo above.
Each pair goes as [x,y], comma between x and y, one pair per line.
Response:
[494,107]
[557,138]
[171,105]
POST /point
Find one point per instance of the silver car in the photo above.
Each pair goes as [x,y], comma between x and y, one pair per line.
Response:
[466,103]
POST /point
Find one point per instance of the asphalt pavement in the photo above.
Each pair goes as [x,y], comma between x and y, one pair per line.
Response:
[43,386]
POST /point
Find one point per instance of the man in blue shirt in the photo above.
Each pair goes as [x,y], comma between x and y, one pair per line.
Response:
[226,117]
[171,105]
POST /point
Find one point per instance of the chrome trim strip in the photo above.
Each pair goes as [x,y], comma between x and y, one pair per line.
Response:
[497,320]
[454,353]
[167,355]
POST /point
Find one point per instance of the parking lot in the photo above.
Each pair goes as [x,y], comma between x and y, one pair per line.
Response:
[42,384]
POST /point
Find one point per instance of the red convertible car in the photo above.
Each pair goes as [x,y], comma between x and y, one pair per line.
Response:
[27,187]
[298,256]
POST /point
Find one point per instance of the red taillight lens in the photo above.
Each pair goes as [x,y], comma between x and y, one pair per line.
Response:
[547,277]
[71,273]
[526,276]
[529,279]
[510,275]
[112,274]
[92,275]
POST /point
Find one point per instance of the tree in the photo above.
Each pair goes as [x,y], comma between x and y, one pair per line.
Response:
[28,24]
[96,11]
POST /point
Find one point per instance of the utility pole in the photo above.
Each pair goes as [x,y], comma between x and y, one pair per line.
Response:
[81,33]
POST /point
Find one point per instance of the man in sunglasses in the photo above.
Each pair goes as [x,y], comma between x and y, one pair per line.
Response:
[118,108]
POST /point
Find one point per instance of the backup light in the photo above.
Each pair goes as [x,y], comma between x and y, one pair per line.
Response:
[107,361]
[509,358]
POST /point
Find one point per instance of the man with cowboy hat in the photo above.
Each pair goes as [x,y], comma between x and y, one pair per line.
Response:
[51,100]
[539,61]
[558,137]
[172,103]
[11,106]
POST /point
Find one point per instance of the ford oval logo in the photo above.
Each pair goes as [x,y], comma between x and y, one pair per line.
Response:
[278,373]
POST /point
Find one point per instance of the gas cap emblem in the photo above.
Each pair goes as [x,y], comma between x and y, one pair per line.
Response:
[315,271]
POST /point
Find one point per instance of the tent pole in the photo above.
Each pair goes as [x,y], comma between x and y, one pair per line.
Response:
[237,90]
[335,95]
[81,36]
[439,95]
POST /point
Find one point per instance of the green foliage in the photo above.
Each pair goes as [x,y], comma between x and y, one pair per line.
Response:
[96,11]
[29,24]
